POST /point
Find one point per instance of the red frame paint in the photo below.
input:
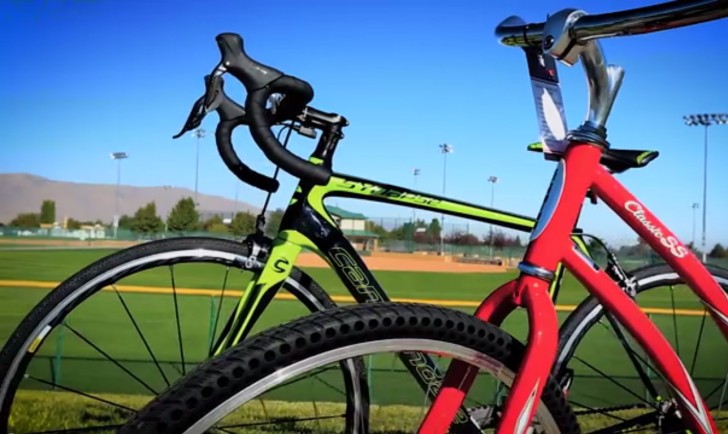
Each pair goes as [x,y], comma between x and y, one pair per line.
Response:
[552,245]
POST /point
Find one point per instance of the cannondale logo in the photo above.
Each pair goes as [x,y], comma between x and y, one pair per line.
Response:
[670,242]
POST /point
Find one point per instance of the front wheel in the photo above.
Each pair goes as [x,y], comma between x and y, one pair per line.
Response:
[256,385]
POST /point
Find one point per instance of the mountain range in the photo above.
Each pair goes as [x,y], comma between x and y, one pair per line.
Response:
[22,192]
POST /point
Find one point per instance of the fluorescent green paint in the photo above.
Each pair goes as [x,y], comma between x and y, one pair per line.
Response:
[282,257]
[338,184]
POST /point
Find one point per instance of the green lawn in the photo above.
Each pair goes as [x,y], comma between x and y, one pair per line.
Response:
[55,266]
[68,359]
[71,410]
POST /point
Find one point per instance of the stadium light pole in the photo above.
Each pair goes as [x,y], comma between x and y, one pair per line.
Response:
[415,174]
[199,133]
[493,181]
[237,188]
[166,218]
[118,156]
[705,120]
[695,207]
[444,150]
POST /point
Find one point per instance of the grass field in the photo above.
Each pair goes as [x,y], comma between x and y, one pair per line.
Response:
[70,409]
[68,359]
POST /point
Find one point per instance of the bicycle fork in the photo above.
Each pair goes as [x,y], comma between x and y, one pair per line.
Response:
[258,294]
[533,294]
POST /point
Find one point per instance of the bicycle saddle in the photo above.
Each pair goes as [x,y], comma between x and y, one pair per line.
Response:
[616,160]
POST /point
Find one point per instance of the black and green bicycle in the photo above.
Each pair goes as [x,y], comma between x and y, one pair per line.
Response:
[170,333]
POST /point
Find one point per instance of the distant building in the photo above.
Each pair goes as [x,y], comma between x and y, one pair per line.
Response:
[207,214]
[353,225]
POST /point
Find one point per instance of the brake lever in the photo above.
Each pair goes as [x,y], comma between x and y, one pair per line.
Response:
[208,102]
[197,114]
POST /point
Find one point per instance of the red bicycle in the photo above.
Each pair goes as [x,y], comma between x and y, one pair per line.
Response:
[257,371]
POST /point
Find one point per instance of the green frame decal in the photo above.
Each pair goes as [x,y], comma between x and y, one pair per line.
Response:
[260,290]
[308,225]
[344,186]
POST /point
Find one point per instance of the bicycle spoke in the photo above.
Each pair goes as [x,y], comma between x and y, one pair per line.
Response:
[304,377]
[81,430]
[674,320]
[715,389]
[611,380]
[141,335]
[109,358]
[78,392]
[284,420]
[330,386]
[179,326]
[643,361]
[697,344]
[592,410]
[635,353]
[722,394]
[176,368]
[609,405]
[638,423]
[633,356]
[219,308]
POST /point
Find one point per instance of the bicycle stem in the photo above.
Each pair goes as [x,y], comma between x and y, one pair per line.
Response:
[603,80]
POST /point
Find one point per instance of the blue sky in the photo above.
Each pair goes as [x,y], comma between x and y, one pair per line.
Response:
[83,78]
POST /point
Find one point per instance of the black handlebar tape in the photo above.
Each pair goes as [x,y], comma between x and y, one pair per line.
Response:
[232,115]
[223,135]
[272,148]
[226,107]
[252,74]
[261,81]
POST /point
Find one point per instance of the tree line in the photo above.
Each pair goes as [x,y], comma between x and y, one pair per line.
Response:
[47,215]
[422,232]
[183,217]
[641,248]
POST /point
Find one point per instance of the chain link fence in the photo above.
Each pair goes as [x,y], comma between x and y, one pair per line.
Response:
[465,241]
[64,370]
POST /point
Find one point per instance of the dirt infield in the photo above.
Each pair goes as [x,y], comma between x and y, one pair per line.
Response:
[71,242]
[407,262]
[377,260]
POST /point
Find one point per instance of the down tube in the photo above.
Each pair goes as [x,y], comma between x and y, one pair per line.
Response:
[664,242]
[649,337]
[364,288]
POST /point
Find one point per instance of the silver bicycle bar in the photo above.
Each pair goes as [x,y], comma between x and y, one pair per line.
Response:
[571,35]
[513,31]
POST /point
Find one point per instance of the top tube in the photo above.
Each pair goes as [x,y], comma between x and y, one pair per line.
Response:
[647,19]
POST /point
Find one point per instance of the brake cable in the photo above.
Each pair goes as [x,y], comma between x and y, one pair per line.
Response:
[626,281]
[260,219]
